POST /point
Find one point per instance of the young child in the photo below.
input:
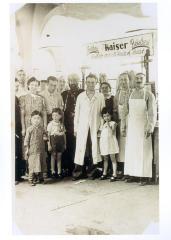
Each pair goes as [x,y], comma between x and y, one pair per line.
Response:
[108,143]
[35,148]
[57,140]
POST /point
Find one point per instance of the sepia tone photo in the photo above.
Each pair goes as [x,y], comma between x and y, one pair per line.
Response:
[84,97]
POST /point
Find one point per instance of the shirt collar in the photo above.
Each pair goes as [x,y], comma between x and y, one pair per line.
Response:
[94,97]
[108,97]
[50,94]
[55,123]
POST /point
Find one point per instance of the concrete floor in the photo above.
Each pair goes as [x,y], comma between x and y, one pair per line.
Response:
[87,207]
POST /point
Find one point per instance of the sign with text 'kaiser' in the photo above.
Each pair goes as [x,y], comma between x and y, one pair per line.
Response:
[128,46]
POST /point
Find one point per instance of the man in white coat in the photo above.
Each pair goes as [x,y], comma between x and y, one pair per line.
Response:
[141,110]
[87,122]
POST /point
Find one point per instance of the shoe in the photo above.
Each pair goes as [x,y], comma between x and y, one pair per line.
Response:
[41,181]
[75,178]
[123,178]
[112,179]
[65,173]
[92,177]
[21,179]
[32,184]
[60,176]
[103,177]
[128,180]
[53,175]
[142,183]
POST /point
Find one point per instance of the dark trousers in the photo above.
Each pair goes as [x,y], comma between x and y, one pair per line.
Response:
[19,166]
[69,154]
[48,158]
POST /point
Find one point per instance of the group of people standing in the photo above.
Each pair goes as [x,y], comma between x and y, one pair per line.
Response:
[85,133]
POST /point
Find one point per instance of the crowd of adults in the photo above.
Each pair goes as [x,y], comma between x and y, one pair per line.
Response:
[133,109]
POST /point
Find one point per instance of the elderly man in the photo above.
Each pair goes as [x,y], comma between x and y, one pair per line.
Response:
[69,99]
[87,123]
[61,87]
[141,110]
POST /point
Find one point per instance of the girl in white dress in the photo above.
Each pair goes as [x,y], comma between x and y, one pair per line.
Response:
[108,143]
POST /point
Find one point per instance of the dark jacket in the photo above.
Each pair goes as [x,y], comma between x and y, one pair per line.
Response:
[69,99]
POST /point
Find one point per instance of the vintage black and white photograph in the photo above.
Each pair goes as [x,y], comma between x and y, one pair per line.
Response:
[84,102]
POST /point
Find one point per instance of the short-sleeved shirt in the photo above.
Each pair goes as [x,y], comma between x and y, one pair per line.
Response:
[52,100]
[55,128]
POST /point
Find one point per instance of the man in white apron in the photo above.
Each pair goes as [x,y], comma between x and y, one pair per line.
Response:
[87,122]
[141,121]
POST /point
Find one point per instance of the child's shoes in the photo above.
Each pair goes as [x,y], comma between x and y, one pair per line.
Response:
[103,177]
[32,183]
[60,176]
[112,179]
[53,175]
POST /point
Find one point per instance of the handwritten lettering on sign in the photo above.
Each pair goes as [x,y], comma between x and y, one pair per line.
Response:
[129,46]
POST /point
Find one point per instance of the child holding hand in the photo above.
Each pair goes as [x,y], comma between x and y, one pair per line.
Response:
[108,144]
[57,140]
[35,149]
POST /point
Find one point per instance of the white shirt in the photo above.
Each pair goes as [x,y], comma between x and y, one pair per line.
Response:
[55,128]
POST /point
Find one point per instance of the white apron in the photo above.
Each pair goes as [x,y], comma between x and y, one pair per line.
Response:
[138,150]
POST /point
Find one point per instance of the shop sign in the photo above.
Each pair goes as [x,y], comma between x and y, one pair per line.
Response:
[128,46]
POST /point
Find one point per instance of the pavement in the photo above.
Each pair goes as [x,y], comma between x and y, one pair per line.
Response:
[85,207]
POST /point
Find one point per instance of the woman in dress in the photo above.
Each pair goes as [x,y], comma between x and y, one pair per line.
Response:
[31,102]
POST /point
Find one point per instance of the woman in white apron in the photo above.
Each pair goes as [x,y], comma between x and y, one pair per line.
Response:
[141,122]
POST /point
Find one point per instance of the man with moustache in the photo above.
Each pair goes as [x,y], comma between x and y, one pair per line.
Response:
[141,111]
